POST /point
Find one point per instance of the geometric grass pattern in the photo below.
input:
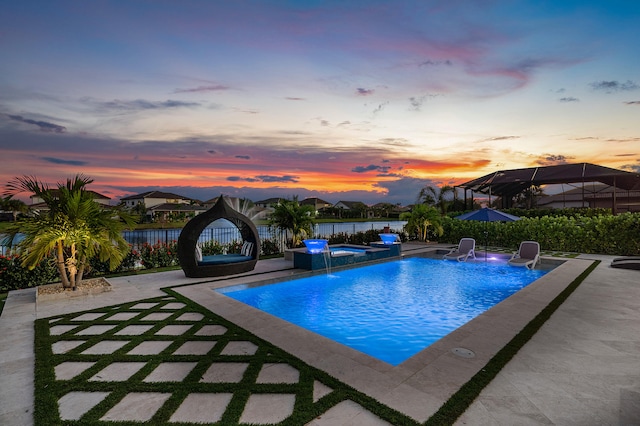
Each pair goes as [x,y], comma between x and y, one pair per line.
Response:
[168,360]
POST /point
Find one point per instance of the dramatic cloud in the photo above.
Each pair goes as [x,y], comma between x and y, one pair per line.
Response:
[43,125]
[569,99]
[241,179]
[141,105]
[429,62]
[364,92]
[614,86]
[552,160]
[243,157]
[404,190]
[199,89]
[276,179]
[370,168]
[67,162]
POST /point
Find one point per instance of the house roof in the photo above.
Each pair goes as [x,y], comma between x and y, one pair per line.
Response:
[314,201]
[351,204]
[155,194]
[507,183]
[172,207]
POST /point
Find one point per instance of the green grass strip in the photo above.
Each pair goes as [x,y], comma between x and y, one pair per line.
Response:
[3,300]
[48,390]
[461,400]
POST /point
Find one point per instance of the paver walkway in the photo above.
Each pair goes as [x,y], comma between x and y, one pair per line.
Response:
[178,366]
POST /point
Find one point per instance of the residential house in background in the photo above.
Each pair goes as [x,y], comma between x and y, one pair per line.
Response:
[317,204]
[163,206]
[168,212]
[354,209]
[154,198]
[388,210]
[267,203]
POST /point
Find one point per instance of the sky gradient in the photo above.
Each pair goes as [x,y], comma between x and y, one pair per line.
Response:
[342,100]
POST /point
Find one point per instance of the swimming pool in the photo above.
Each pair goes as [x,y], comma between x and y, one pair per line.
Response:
[392,310]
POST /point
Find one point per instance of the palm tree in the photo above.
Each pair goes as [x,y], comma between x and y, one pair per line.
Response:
[74,229]
[438,197]
[290,217]
[421,220]
[13,205]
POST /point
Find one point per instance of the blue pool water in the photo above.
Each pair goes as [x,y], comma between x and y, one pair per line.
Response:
[392,310]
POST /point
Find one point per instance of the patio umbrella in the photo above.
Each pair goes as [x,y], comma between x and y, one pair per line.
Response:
[486,214]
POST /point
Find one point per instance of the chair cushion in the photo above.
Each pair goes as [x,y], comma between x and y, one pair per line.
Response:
[221,259]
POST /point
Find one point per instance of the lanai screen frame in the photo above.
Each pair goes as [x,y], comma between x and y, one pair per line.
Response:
[508,183]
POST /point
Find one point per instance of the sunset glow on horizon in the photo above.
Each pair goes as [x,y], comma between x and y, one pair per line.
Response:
[360,100]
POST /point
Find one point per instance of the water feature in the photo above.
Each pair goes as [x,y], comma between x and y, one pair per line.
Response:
[319,245]
[392,310]
[315,245]
[388,238]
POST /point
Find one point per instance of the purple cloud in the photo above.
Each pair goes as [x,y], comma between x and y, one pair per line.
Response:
[199,89]
[273,179]
[66,162]
[43,125]
[370,168]
[364,92]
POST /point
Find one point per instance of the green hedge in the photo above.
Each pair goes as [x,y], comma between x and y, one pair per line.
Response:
[150,256]
[604,234]
[13,276]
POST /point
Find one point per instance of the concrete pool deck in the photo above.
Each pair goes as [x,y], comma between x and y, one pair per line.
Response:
[582,367]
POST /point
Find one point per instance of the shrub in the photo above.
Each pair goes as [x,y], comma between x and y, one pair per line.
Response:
[13,276]
[269,247]
[129,263]
[159,255]
[234,247]
[603,234]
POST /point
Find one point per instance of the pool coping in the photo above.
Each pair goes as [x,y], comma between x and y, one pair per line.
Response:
[421,384]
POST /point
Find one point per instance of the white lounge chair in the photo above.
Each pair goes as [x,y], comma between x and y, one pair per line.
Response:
[466,249]
[528,255]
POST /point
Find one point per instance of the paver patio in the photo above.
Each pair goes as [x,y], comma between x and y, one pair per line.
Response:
[582,367]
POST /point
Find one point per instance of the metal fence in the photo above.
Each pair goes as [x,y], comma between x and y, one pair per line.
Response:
[228,235]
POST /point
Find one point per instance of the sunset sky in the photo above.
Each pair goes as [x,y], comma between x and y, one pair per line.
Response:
[342,100]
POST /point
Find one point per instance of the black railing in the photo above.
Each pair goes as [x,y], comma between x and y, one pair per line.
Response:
[229,235]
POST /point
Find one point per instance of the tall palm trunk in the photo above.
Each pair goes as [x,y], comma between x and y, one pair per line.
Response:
[72,266]
[83,264]
[60,264]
